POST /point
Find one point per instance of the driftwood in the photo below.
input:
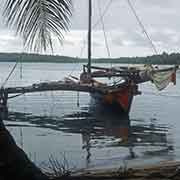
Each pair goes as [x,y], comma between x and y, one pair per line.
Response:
[14,163]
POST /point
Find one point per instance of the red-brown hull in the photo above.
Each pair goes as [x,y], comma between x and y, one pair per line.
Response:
[119,100]
[122,98]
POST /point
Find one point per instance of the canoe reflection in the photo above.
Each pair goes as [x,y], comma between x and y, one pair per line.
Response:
[103,129]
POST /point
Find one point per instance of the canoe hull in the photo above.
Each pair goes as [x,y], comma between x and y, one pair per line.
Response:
[119,100]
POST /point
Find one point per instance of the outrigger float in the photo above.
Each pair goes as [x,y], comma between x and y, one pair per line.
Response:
[120,94]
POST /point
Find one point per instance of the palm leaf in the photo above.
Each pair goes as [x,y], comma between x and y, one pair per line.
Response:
[38,20]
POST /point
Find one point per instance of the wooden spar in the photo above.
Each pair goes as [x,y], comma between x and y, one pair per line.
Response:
[123,70]
[103,74]
[89,36]
[3,97]
[127,69]
[108,69]
[3,103]
[55,86]
[59,86]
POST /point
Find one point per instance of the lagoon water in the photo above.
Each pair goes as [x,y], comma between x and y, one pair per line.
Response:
[70,125]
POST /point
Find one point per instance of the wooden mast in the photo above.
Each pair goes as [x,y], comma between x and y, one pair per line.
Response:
[89,36]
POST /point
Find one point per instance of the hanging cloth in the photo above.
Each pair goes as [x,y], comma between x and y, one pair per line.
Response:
[163,78]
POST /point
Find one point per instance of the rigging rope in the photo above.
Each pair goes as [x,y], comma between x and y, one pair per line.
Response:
[97,22]
[142,26]
[103,13]
[12,70]
[104,32]
[105,36]
[9,75]
[94,25]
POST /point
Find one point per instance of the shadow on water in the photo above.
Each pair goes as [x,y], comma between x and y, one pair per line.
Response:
[101,128]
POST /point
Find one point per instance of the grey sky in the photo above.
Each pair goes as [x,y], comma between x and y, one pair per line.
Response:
[125,37]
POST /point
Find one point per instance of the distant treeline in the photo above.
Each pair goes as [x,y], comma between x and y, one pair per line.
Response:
[164,58]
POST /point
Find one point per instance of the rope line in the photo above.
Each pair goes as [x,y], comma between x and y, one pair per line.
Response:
[104,32]
[9,75]
[93,26]
[103,13]
[13,68]
[96,24]
[142,26]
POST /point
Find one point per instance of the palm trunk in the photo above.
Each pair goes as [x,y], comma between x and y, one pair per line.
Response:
[14,163]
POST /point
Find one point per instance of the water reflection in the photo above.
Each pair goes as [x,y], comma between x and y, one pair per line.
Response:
[102,129]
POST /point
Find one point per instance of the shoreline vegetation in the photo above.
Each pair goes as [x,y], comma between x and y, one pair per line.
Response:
[164,58]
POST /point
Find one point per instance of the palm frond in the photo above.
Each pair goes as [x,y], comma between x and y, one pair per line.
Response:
[38,20]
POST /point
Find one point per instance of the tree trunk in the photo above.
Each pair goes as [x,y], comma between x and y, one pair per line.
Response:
[14,163]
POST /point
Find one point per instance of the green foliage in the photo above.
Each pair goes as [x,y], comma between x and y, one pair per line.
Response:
[37,21]
[164,58]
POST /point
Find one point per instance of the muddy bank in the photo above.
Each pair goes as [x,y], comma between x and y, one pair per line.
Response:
[164,171]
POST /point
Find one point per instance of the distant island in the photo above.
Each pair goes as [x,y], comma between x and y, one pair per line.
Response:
[164,58]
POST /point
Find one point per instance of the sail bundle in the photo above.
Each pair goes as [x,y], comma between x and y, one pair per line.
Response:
[162,79]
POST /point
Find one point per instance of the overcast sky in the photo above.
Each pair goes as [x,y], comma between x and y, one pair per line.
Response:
[161,19]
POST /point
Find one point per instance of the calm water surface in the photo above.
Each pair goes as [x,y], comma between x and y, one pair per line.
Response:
[69,124]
